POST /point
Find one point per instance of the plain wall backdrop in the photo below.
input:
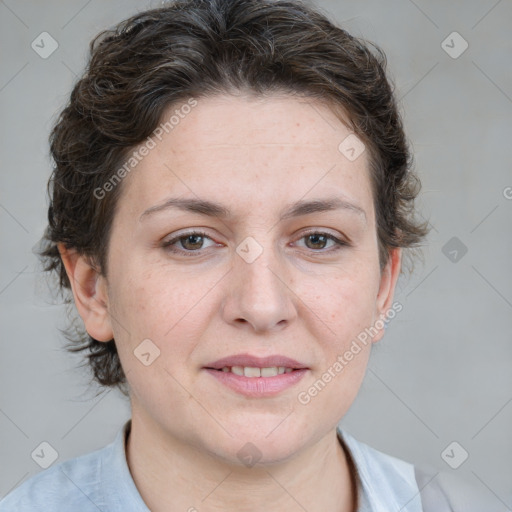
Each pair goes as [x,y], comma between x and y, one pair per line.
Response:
[442,373]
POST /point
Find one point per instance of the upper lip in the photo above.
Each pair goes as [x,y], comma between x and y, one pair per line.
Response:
[255,362]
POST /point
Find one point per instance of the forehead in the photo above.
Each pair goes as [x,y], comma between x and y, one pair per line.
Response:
[254,149]
[306,119]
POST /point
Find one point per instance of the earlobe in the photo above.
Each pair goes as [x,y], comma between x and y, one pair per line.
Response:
[388,280]
[89,292]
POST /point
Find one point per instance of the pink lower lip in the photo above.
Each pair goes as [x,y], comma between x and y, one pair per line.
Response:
[258,386]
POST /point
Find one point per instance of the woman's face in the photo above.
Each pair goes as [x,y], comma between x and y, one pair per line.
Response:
[258,276]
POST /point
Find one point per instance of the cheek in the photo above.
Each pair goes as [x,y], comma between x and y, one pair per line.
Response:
[342,311]
[164,308]
[160,302]
[344,303]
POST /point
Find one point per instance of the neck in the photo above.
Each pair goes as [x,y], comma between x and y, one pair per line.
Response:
[176,476]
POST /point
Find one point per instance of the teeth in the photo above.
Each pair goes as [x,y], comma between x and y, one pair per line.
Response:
[251,371]
[238,370]
[269,372]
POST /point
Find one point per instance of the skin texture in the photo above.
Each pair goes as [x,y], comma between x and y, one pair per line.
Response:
[300,298]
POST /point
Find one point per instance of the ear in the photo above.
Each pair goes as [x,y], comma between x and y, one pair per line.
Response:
[388,280]
[89,289]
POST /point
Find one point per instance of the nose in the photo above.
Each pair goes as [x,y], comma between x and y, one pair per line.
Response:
[258,294]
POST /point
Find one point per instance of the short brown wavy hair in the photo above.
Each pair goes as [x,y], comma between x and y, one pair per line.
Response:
[199,48]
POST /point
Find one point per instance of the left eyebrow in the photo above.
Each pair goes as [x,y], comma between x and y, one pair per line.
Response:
[296,209]
[321,205]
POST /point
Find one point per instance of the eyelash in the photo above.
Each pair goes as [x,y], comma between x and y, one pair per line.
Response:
[168,244]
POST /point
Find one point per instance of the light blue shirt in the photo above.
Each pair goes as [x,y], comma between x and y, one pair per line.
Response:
[101,482]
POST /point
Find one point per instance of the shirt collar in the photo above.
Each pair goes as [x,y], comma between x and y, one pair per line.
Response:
[120,492]
[384,482]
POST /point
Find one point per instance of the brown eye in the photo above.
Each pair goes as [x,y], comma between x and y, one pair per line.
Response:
[191,242]
[318,241]
[188,244]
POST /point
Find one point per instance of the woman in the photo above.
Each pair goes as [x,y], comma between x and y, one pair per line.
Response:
[231,197]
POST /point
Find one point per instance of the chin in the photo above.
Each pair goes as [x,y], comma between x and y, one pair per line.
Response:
[256,440]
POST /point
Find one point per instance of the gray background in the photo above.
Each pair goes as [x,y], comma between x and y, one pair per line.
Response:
[443,371]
